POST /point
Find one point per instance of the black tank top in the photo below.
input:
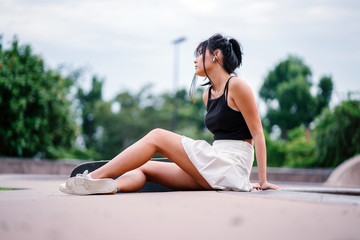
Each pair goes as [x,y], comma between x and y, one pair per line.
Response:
[223,121]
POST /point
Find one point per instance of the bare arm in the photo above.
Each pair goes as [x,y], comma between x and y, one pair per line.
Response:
[243,98]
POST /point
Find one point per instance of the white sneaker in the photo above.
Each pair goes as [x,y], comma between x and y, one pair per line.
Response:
[64,189]
[83,184]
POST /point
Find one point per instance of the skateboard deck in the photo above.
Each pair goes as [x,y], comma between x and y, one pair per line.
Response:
[93,165]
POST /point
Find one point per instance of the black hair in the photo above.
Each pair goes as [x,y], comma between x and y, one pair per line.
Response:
[231,52]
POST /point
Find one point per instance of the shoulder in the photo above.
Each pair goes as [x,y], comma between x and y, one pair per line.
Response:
[238,87]
[241,94]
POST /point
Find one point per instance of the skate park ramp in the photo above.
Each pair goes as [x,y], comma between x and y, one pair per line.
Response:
[346,174]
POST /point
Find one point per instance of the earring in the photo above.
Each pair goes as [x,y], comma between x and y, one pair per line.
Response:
[214,58]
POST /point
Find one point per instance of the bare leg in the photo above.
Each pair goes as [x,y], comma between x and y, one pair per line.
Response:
[167,174]
[131,181]
[164,142]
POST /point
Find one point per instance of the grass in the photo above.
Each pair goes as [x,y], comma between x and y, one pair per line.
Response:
[7,189]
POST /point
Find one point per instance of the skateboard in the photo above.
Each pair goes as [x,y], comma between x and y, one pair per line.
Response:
[93,165]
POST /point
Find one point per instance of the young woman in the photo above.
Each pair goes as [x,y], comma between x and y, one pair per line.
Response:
[232,116]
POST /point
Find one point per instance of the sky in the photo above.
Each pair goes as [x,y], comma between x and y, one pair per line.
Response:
[130,43]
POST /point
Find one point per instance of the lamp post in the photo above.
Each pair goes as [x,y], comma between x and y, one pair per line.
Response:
[176,43]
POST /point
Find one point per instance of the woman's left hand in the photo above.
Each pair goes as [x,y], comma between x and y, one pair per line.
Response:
[265,185]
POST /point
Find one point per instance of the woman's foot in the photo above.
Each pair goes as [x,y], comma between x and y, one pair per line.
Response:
[83,184]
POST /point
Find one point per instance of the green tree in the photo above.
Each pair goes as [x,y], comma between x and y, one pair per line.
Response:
[285,71]
[338,134]
[87,104]
[286,91]
[36,116]
[139,113]
[325,91]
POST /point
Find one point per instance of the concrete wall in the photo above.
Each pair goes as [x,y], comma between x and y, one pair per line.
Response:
[294,175]
[30,166]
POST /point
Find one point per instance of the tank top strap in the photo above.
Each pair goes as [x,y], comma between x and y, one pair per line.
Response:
[209,94]
[226,90]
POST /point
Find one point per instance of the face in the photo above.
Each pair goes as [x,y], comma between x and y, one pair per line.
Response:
[199,67]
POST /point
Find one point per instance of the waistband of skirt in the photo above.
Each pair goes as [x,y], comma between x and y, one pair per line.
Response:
[232,145]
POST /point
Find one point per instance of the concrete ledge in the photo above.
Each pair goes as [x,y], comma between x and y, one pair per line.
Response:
[324,189]
[30,166]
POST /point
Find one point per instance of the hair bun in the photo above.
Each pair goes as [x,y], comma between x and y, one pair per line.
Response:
[237,50]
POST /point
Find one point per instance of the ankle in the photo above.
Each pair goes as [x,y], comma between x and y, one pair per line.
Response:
[95,175]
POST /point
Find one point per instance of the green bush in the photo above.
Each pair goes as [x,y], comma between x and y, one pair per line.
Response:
[338,134]
[300,149]
[276,151]
[35,112]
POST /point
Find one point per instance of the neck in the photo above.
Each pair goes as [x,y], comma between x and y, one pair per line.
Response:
[218,80]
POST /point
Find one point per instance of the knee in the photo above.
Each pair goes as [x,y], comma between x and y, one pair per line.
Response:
[155,134]
[145,169]
[153,137]
[159,138]
[149,170]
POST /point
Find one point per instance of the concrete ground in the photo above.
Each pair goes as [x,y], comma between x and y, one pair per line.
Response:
[40,211]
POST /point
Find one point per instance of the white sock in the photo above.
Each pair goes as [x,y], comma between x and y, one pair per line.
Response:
[89,176]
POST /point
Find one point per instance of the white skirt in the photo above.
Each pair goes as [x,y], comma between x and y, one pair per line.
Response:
[225,165]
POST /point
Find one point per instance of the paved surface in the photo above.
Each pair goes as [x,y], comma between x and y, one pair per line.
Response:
[40,211]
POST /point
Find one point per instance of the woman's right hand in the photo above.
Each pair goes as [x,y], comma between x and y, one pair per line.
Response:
[265,185]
